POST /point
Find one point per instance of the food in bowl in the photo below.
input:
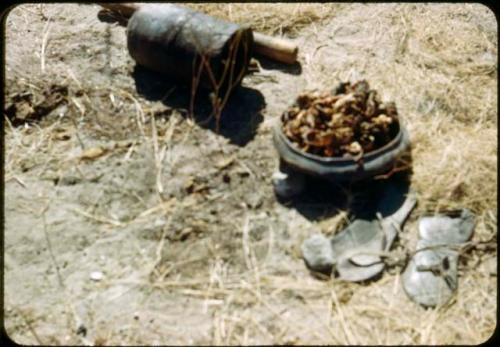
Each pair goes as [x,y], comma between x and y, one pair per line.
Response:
[347,122]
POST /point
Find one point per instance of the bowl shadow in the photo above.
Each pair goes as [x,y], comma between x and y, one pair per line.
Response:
[322,199]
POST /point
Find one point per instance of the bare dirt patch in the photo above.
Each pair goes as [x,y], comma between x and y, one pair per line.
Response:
[113,175]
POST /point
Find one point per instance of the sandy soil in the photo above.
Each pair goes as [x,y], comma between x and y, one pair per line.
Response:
[112,175]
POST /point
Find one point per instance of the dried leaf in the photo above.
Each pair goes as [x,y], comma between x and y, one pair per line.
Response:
[224,162]
[92,153]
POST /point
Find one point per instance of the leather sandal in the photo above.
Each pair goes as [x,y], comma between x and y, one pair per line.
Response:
[431,277]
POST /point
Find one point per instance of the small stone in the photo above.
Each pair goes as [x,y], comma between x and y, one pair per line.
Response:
[184,234]
[96,276]
[82,330]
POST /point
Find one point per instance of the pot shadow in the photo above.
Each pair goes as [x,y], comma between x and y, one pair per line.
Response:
[320,199]
[268,64]
[111,17]
[384,197]
[323,199]
[238,121]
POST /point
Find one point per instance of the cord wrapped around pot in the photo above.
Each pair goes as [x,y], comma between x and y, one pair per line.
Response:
[190,46]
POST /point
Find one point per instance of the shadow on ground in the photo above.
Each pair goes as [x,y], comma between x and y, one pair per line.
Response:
[322,199]
[268,64]
[239,119]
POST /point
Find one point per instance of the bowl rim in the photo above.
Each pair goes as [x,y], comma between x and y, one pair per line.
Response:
[369,155]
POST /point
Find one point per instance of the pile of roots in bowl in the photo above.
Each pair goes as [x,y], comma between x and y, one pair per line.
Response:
[347,122]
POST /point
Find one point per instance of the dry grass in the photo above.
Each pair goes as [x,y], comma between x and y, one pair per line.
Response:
[273,19]
[441,71]
[453,121]
[438,63]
